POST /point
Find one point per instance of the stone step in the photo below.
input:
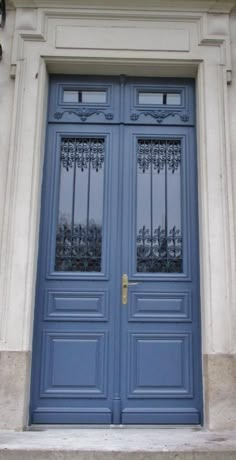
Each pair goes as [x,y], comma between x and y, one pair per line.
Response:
[118,444]
[75,455]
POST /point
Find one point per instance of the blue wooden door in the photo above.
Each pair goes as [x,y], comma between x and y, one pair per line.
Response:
[117,322]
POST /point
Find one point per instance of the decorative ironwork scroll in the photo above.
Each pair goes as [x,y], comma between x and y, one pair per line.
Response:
[158,251]
[84,113]
[79,243]
[159,153]
[82,152]
[159,115]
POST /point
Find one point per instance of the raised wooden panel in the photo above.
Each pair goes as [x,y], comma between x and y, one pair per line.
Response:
[74,364]
[79,306]
[72,415]
[160,306]
[167,416]
[160,365]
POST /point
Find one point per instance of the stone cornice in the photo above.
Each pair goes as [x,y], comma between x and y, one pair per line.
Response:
[211,6]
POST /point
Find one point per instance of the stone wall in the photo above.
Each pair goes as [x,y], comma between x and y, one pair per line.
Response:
[201,43]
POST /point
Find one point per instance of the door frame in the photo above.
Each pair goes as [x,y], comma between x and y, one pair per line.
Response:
[32,60]
[56,131]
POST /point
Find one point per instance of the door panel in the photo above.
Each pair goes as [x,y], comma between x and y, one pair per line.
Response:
[158,323]
[119,197]
[74,371]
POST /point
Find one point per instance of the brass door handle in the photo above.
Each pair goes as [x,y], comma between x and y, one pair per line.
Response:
[125,285]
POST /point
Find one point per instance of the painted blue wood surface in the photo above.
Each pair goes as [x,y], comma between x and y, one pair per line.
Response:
[94,359]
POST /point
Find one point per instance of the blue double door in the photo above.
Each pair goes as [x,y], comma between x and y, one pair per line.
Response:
[117,320]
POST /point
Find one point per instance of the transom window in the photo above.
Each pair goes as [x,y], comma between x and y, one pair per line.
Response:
[158,98]
[85,96]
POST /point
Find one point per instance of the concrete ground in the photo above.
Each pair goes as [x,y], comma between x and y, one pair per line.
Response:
[118,444]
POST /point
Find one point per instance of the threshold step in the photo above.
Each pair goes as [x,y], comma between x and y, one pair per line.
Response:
[118,444]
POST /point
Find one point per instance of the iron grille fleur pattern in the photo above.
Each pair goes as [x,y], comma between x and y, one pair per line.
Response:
[158,251]
[78,248]
[83,152]
[159,153]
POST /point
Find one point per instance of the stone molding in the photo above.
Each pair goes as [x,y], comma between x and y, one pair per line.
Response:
[209,6]
[208,56]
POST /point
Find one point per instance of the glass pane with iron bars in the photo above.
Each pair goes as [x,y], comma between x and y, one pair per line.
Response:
[80,218]
[159,235]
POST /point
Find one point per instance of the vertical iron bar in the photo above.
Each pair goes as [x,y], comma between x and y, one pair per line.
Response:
[88,196]
[73,209]
[166,203]
[151,201]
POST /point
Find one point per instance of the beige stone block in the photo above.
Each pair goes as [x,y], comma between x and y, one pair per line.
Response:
[114,37]
[14,389]
[220,391]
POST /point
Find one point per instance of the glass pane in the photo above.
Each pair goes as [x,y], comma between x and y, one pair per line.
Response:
[79,229]
[161,98]
[85,97]
[173,99]
[150,98]
[96,97]
[159,239]
[70,96]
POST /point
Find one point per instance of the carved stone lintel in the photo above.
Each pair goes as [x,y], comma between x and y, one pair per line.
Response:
[83,114]
[160,115]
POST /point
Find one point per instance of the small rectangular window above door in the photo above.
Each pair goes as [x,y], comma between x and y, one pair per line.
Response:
[159,98]
[83,96]
[159,103]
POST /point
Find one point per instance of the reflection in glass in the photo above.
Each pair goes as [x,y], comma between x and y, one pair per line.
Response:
[173,99]
[70,96]
[150,98]
[159,240]
[79,230]
[98,97]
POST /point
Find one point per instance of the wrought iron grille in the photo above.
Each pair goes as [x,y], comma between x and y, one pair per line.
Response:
[79,245]
[159,252]
[79,248]
[159,153]
[82,153]
[159,249]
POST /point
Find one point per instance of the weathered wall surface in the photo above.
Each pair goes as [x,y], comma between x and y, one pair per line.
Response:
[232,125]
[6,106]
